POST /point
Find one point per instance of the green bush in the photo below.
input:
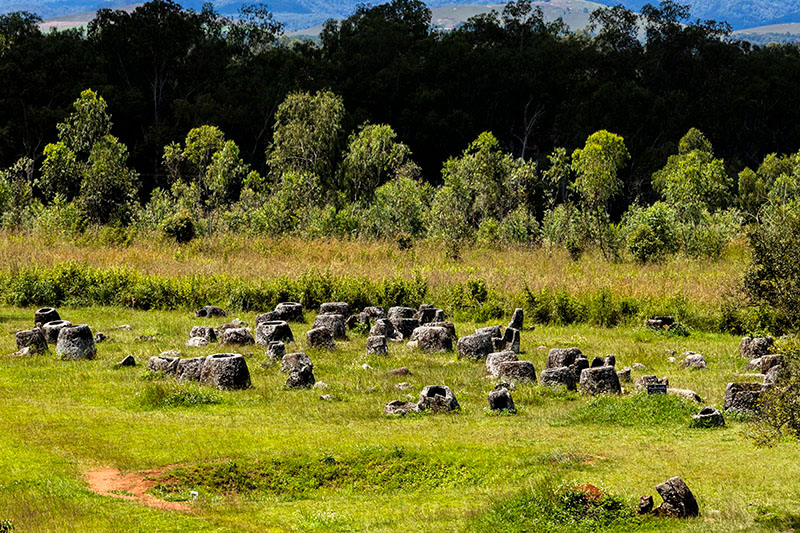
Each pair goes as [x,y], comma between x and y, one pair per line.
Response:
[652,232]
[179,226]
[566,508]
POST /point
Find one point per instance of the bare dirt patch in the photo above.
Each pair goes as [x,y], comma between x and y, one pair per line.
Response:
[133,486]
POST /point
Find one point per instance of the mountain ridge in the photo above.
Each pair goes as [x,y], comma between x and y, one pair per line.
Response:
[298,14]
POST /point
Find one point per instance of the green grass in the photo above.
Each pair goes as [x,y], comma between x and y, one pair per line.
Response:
[303,464]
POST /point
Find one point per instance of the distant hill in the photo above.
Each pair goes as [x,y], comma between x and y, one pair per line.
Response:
[298,14]
[777,33]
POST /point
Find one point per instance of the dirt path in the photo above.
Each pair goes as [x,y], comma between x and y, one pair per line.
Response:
[133,486]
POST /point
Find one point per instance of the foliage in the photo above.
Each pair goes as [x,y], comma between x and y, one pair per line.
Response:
[109,187]
[694,181]
[568,507]
[306,133]
[779,407]
[160,394]
[373,157]
[652,232]
[597,165]
[179,226]
[399,207]
[773,277]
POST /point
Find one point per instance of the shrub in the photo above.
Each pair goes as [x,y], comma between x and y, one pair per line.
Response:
[566,508]
[652,232]
[779,412]
[179,226]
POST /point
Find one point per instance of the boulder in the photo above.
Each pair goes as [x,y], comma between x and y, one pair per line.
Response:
[624,375]
[426,314]
[773,375]
[51,330]
[100,337]
[197,342]
[610,360]
[694,360]
[293,362]
[754,364]
[561,376]
[495,358]
[685,393]
[207,332]
[190,369]
[679,502]
[33,339]
[275,351]
[374,312]
[167,365]
[517,319]
[708,417]
[377,345]
[320,338]
[302,378]
[400,408]
[500,400]
[578,366]
[558,357]
[333,323]
[289,312]
[359,322]
[383,327]
[405,326]
[597,362]
[660,322]
[449,326]
[742,397]
[402,371]
[643,381]
[517,371]
[128,360]
[236,337]
[401,312]
[76,342]
[754,347]
[769,361]
[476,346]
[645,504]
[511,340]
[273,330]
[433,339]
[225,371]
[437,398]
[45,315]
[210,311]
[335,308]
[600,380]
[638,366]
[494,331]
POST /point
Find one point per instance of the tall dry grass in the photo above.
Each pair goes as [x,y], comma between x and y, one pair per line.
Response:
[701,281]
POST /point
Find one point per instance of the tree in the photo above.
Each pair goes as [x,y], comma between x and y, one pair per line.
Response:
[597,165]
[306,133]
[373,156]
[694,181]
[210,162]
[109,187]
[87,124]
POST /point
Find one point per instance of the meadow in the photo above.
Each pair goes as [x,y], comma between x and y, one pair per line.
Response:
[272,459]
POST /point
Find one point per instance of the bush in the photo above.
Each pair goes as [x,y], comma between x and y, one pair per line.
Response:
[179,226]
[652,232]
[566,508]
[779,410]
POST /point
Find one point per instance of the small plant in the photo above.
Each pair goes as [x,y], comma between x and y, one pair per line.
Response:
[404,241]
[6,526]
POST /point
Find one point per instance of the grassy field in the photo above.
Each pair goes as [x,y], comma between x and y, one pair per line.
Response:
[270,459]
[704,282]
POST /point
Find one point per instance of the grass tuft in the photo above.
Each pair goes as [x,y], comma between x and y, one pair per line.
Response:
[635,410]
